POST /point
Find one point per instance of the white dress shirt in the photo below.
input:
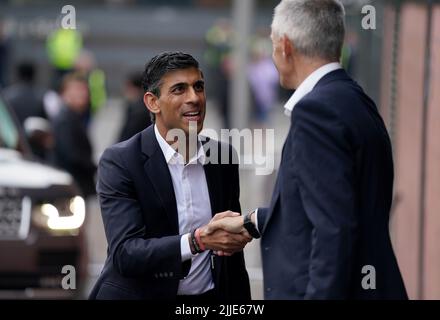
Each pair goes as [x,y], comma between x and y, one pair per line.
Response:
[303,89]
[308,84]
[193,210]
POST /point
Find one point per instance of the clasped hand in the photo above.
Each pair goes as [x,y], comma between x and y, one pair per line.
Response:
[225,233]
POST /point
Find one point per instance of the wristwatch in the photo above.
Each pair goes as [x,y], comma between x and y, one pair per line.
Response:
[250,227]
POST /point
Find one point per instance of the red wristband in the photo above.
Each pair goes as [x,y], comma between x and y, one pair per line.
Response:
[199,241]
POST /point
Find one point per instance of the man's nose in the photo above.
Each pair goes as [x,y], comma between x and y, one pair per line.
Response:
[193,96]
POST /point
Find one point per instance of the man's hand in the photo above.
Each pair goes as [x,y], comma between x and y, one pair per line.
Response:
[221,240]
[221,236]
[228,221]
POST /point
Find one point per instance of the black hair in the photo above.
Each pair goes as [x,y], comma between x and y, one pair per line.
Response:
[160,65]
[26,71]
[163,63]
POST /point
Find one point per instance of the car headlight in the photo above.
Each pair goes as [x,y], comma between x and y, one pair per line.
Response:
[62,215]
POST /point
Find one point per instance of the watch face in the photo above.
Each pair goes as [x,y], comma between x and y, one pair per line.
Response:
[250,227]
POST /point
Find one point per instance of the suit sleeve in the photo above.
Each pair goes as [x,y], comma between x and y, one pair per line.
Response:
[261,218]
[235,184]
[132,253]
[323,164]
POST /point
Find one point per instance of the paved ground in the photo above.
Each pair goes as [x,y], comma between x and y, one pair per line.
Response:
[255,189]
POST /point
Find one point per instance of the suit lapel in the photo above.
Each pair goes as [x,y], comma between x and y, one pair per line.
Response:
[276,190]
[157,171]
[213,180]
[213,177]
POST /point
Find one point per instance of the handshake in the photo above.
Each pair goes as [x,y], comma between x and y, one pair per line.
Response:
[225,234]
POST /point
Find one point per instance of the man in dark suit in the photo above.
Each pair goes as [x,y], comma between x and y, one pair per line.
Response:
[157,192]
[24,97]
[325,234]
[73,150]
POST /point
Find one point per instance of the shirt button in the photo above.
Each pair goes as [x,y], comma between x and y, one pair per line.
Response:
[268,289]
[266,248]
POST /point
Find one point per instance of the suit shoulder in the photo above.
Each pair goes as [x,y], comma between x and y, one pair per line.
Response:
[123,148]
[344,100]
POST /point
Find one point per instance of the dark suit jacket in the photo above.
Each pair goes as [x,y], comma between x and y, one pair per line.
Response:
[73,151]
[141,224]
[329,214]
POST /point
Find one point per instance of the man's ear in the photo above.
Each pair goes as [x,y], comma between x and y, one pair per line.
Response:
[288,47]
[150,101]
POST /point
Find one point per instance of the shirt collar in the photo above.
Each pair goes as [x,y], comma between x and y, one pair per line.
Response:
[173,157]
[308,84]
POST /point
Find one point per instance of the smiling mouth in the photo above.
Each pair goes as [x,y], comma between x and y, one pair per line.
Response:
[192,116]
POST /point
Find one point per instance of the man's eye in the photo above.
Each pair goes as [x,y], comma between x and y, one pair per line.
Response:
[178,89]
[199,87]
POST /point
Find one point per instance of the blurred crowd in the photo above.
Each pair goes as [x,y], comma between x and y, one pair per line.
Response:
[261,72]
[57,119]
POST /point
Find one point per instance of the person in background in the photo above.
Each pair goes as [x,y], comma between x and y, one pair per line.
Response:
[24,98]
[263,79]
[40,137]
[137,116]
[73,151]
[85,65]
[63,47]
[218,40]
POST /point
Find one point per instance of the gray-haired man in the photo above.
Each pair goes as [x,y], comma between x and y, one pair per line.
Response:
[329,213]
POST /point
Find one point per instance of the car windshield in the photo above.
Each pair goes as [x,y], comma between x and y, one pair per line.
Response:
[10,137]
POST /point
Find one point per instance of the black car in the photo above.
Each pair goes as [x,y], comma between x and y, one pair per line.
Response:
[41,222]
